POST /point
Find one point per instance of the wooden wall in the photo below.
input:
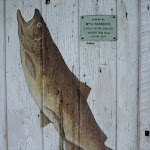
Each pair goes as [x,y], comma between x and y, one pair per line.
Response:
[118,72]
[144,94]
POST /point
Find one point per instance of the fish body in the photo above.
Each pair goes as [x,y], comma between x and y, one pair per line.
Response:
[60,96]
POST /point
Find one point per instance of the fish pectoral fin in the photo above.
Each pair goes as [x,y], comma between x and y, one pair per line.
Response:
[44,120]
[84,89]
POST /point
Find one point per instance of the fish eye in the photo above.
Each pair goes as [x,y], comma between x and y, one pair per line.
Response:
[39,24]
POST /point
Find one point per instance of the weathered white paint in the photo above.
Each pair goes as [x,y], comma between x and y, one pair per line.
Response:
[109,68]
[62,21]
[127,74]
[98,70]
[3,104]
[144,74]
[24,131]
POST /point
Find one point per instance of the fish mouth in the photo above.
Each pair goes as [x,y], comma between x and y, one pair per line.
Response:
[23,25]
[26,30]
[21,19]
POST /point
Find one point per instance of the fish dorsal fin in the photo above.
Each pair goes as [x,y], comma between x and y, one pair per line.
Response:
[44,120]
[84,89]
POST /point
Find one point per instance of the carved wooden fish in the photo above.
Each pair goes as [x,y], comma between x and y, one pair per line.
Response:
[60,96]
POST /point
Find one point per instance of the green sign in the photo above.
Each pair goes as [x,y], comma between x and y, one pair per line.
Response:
[98,28]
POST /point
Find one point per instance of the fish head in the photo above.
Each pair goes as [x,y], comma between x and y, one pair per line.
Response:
[30,33]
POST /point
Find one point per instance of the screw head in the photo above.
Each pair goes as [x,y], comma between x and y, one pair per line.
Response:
[147,133]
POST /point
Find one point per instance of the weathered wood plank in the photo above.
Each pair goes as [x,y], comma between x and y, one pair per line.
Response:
[127,74]
[3,102]
[109,68]
[98,70]
[144,143]
[61,18]
[24,131]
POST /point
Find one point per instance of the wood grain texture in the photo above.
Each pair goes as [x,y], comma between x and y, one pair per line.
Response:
[3,101]
[64,96]
[144,143]
[24,131]
[98,70]
[109,68]
[61,18]
[127,74]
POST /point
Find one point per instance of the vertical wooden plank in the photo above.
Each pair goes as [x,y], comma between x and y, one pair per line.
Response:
[24,131]
[144,74]
[98,70]
[61,18]
[3,111]
[127,74]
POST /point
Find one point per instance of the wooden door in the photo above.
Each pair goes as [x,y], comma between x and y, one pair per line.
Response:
[116,71]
